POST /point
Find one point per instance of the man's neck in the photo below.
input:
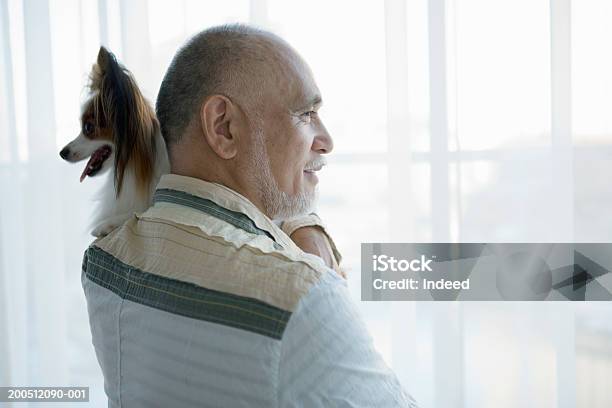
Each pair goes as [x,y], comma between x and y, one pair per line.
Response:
[226,180]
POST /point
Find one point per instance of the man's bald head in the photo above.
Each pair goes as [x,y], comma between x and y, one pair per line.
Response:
[236,60]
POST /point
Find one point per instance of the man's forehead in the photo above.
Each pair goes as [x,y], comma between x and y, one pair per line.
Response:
[292,77]
[304,92]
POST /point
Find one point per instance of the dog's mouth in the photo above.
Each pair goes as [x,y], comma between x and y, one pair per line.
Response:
[95,161]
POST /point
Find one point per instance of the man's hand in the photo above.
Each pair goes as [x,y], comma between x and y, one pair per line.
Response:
[314,241]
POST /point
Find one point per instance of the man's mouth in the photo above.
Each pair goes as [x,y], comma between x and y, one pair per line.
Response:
[315,166]
[96,161]
[311,169]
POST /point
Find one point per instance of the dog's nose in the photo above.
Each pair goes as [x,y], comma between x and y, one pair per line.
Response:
[64,153]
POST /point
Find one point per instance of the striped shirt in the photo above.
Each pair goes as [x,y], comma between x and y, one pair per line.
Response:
[203,301]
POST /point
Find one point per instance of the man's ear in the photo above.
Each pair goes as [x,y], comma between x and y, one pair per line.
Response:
[216,115]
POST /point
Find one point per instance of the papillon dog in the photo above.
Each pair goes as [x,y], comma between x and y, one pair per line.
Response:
[119,131]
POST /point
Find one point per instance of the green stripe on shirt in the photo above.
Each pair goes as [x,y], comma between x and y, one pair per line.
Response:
[183,298]
[237,219]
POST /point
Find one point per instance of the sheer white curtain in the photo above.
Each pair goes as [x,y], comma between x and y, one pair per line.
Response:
[456,120]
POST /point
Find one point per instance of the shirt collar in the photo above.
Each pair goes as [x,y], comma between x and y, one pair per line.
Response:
[223,197]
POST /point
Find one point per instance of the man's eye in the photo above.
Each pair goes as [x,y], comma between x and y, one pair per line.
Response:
[308,115]
[88,128]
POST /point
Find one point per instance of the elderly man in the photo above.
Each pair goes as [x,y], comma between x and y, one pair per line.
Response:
[207,299]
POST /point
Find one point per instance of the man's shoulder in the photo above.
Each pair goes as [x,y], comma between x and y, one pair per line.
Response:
[241,265]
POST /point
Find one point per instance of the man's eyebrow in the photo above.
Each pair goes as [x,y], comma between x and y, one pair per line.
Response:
[315,101]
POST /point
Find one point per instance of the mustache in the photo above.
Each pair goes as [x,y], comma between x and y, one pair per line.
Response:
[316,163]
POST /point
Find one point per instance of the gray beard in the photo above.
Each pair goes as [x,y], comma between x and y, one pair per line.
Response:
[278,205]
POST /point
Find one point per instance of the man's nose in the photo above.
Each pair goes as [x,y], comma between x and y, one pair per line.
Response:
[323,142]
[64,153]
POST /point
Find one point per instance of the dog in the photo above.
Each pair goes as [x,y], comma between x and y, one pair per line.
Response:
[119,133]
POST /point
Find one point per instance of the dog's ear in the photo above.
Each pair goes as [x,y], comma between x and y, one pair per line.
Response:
[132,121]
[104,57]
[102,66]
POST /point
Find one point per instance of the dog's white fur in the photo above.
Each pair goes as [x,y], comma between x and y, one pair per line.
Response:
[111,212]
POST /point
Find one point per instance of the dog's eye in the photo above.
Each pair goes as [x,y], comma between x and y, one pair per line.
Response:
[88,128]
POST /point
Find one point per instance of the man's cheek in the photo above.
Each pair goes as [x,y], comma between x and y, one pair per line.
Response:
[301,150]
